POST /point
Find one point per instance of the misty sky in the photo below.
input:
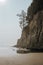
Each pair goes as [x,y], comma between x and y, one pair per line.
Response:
[9,22]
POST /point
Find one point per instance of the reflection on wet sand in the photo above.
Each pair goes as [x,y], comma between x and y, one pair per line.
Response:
[23,59]
[8,56]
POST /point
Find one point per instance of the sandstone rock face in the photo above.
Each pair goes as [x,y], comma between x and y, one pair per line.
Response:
[32,35]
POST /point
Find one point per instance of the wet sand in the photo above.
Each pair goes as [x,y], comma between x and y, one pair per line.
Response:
[23,59]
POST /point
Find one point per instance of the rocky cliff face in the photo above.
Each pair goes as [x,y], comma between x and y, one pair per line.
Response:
[32,34]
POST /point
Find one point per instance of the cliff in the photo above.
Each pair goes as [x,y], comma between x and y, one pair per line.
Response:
[32,34]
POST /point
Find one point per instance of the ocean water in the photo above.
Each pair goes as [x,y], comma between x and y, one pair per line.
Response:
[8,56]
[7,51]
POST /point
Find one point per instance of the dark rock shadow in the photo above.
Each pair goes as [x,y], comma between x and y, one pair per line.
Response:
[30,51]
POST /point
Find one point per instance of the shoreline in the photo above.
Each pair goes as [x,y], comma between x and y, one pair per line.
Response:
[23,59]
[28,50]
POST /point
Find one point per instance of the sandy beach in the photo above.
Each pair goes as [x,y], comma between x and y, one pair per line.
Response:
[23,59]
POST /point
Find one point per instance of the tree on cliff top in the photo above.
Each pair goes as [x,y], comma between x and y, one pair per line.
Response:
[22,18]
